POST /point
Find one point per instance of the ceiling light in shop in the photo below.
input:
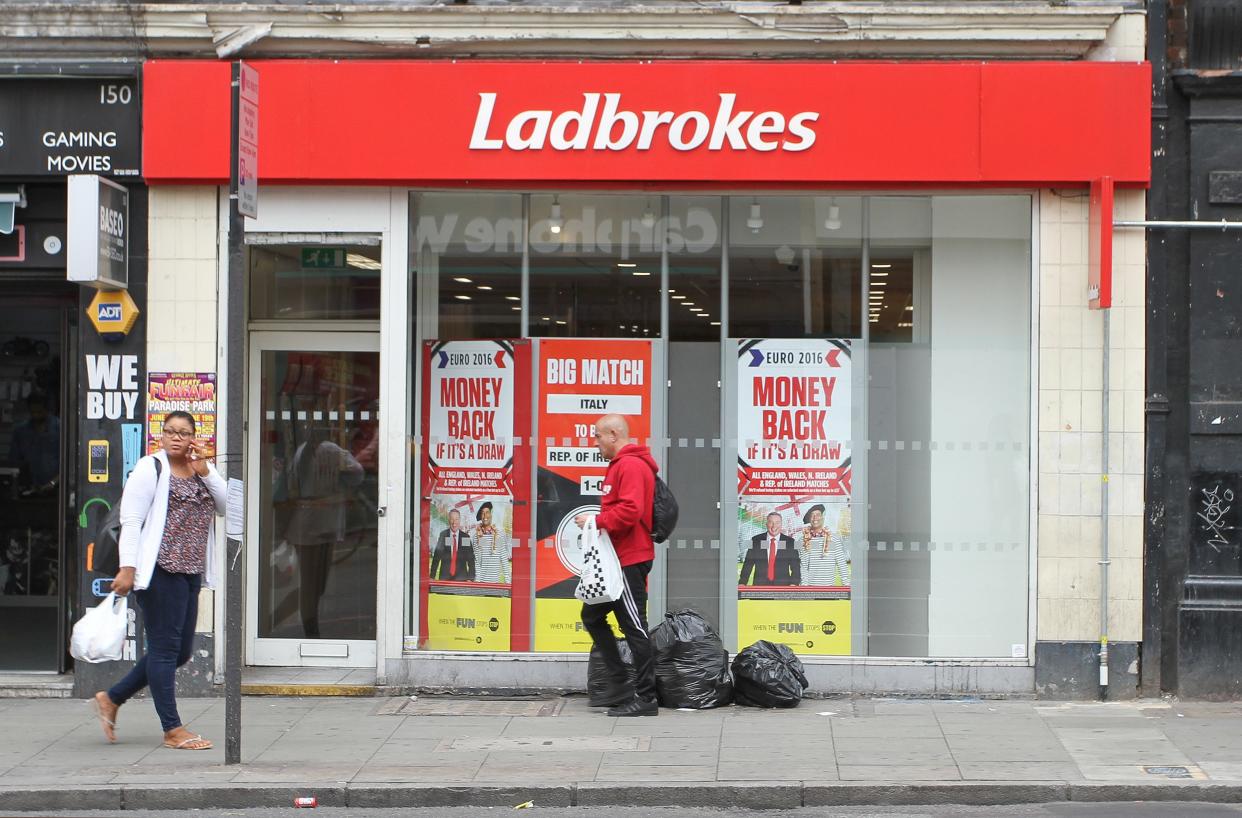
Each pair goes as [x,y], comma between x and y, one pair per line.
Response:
[627,264]
[878,275]
[462,297]
[561,323]
[906,324]
[671,290]
[556,220]
[833,222]
[755,222]
[641,273]
[648,218]
[678,297]
[704,315]
[879,284]
[687,303]
[696,309]
[516,309]
[545,318]
[513,298]
[463,280]
[484,287]
[361,261]
[715,323]
[881,266]
[909,308]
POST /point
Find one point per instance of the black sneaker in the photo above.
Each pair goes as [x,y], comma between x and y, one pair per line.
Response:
[612,696]
[635,707]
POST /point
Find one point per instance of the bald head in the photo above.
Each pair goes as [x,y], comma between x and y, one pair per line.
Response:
[612,434]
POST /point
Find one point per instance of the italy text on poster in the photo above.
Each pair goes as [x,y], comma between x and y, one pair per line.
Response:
[476,463]
[794,485]
[193,392]
[579,381]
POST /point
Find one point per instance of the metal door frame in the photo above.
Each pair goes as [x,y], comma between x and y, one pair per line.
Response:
[288,652]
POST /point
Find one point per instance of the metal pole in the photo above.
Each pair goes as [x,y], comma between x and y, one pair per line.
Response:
[1178,225]
[234,431]
[1104,518]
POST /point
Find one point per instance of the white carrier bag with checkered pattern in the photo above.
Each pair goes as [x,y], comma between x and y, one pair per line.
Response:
[601,580]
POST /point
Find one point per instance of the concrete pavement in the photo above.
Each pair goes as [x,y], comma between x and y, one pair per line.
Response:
[381,752]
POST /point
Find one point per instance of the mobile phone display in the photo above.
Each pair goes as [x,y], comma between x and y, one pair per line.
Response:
[97,468]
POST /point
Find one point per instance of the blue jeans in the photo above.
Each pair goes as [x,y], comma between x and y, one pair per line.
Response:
[169,611]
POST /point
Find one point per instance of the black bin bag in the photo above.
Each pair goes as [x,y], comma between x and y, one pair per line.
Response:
[598,680]
[691,663]
[768,675]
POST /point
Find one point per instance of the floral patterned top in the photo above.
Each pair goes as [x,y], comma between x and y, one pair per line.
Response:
[191,512]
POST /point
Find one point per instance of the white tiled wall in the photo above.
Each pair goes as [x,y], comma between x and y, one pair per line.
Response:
[181,302]
[1071,472]
[181,297]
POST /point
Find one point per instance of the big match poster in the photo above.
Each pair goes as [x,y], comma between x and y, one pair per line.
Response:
[580,380]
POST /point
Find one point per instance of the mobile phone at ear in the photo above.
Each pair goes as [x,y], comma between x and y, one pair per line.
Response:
[97,461]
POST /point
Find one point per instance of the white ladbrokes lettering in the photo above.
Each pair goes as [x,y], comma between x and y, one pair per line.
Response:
[608,127]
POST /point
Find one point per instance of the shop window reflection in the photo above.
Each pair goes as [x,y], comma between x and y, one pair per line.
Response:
[795,267]
[311,282]
[594,267]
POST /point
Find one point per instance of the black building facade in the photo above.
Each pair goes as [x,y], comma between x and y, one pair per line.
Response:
[1193,616]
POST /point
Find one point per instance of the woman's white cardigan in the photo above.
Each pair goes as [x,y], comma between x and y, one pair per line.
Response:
[144,508]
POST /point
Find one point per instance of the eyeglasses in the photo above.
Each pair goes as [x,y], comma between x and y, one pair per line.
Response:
[177,435]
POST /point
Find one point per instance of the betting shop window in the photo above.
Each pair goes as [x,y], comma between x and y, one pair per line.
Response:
[468,260]
[795,267]
[594,266]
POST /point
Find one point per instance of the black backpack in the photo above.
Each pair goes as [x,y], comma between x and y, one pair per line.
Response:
[106,551]
[663,511]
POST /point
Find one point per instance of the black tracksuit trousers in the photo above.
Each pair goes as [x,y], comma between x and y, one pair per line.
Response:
[631,613]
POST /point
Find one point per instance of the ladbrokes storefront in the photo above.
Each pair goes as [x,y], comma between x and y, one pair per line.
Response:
[814,288]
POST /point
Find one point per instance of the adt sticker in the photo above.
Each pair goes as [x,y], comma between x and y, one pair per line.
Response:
[109,312]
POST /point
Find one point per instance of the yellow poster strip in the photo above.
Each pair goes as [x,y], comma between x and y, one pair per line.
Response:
[457,622]
[819,627]
[559,628]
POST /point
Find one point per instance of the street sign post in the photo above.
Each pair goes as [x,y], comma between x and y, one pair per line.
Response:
[246,155]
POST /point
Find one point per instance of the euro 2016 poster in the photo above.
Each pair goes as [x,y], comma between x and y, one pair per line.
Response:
[475,589]
[579,382]
[794,486]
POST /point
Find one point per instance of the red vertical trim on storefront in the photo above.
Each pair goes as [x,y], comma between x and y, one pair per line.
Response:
[521,637]
[422,560]
[1100,245]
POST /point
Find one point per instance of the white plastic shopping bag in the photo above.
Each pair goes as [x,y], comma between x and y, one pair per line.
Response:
[99,636]
[601,580]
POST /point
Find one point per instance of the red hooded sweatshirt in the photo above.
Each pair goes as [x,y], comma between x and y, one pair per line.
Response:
[625,508]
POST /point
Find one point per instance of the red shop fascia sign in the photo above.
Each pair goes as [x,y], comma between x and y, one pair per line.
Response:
[694,125]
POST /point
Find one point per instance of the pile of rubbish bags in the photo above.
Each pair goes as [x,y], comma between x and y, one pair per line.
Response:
[692,668]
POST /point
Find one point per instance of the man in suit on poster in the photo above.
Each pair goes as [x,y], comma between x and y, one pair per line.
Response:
[772,558]
[453,558]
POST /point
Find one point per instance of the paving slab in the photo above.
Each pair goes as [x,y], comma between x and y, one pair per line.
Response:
[871,751]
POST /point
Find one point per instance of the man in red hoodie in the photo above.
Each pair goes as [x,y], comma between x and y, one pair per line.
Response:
[625,513]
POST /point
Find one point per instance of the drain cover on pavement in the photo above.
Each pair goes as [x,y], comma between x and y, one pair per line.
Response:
[549,743]
[474,707]
[1175,772]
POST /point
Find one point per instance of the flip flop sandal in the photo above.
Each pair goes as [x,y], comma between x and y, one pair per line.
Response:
[104,722]
[181,745]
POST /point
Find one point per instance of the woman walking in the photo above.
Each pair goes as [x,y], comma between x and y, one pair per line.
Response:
[167,549]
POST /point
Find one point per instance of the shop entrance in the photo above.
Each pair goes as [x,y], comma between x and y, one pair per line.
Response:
[313,464]
[34,481]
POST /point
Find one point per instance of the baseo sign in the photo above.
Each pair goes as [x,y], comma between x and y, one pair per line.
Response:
[604,124]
